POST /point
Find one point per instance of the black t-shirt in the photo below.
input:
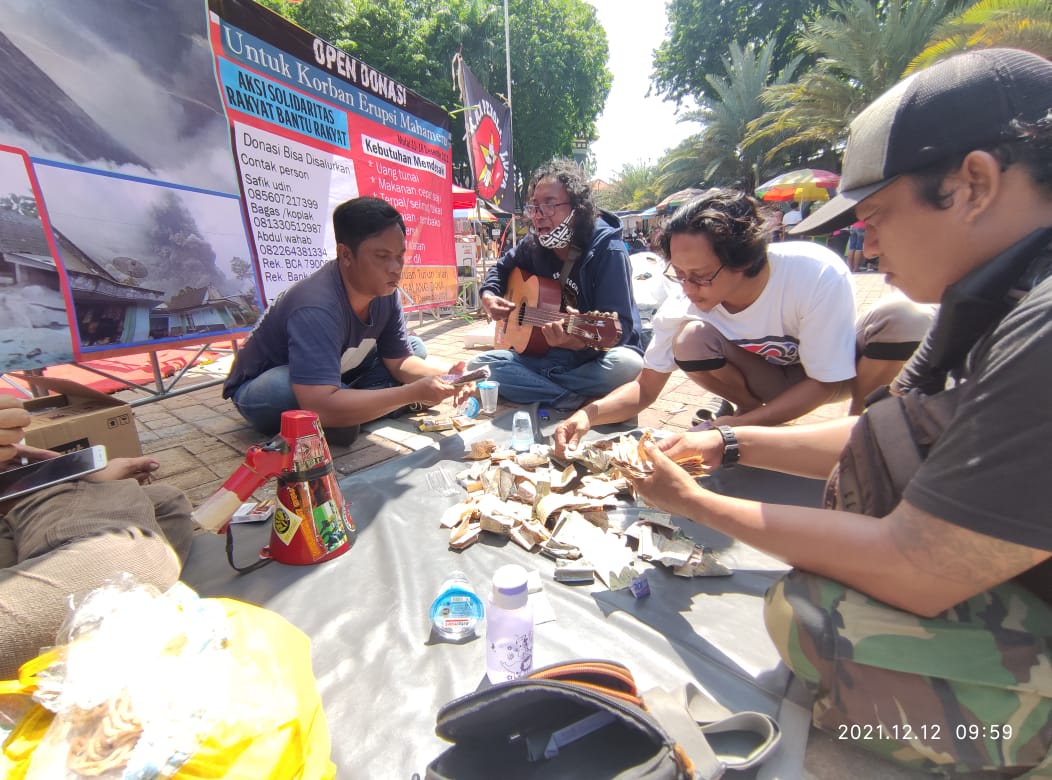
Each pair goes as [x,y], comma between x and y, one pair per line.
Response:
[988,471]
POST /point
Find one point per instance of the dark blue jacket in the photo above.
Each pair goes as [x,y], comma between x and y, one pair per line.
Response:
[601,278]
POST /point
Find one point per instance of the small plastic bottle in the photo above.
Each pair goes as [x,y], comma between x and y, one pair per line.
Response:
[509,626]
[470,408]
[456,610]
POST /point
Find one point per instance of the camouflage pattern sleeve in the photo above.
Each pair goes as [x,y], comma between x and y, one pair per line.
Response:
[966,691]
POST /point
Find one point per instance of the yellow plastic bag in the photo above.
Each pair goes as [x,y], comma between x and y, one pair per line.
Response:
[291,741]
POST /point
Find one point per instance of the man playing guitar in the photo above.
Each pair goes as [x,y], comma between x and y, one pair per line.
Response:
[575,257]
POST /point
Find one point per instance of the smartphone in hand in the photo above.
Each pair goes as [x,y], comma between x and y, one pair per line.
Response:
[27,479]
[470,376]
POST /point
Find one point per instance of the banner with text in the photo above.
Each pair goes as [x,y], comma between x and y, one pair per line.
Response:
[312,127]
[164,181]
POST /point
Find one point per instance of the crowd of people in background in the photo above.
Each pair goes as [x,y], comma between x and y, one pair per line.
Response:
[781,217]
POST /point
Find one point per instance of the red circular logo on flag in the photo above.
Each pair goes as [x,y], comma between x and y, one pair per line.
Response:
[485,149]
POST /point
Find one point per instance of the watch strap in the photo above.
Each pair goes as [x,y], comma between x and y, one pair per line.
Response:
[731,450]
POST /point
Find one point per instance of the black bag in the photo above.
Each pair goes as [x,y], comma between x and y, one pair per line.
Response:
[585,719]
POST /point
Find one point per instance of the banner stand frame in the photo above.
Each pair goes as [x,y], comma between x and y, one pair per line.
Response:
[158,392]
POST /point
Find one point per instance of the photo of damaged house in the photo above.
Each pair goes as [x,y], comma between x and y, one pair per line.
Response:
[113,303]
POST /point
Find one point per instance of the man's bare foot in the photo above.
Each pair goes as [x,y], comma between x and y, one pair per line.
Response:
[138,469]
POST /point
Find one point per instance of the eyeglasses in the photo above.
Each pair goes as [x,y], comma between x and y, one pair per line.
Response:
[544,209]
[697,281]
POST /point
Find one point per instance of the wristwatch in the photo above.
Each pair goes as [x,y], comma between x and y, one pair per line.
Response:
[731,451]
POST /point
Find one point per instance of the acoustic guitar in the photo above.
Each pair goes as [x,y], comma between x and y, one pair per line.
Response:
[537,301]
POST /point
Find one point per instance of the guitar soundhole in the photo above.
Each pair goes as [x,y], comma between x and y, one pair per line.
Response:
[521,316]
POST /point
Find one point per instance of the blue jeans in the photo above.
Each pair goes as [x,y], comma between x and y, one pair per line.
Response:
[262,400]
[561,379]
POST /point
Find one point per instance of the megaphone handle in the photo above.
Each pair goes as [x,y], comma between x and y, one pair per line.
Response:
[215,513]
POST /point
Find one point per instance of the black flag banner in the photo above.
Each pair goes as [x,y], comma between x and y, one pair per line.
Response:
[488,124]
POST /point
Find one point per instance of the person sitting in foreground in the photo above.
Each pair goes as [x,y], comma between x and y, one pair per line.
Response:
[580,247]
[75,536]
[768,327]
[919,608]
[335,342]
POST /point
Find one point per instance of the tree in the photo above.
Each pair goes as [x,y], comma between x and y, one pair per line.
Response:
[559,51]
[240,268]
[698,32]
[1019,24]
[475,29]
[863,48]
[718,153]
[327,19]
[559,78]
[634,187]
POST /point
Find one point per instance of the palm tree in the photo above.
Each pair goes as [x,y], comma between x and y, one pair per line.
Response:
[1020,24]
[717,154]
[863,47]
[634,187]
[476,28]
[681,167]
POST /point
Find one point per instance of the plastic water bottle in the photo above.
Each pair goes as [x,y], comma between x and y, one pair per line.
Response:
[470,408]
[456,610]
[509,626]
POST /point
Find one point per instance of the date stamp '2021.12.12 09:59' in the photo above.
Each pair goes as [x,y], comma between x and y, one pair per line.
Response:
[927,732]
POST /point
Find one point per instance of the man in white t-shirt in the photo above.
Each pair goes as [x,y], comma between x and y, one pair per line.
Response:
[769,328]
[793,216]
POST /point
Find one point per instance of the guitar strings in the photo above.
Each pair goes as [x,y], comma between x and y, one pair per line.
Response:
[540,317]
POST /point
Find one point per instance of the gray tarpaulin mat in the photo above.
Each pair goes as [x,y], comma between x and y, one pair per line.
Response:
[383,677]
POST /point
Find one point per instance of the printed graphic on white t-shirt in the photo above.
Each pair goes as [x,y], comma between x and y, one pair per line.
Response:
[780,350]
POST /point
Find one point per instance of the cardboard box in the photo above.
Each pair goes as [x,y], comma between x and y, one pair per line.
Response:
[79,417]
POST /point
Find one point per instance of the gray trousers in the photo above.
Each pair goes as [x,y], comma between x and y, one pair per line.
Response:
[73,537]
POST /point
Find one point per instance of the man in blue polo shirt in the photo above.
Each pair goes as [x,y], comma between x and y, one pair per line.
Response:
[335,343]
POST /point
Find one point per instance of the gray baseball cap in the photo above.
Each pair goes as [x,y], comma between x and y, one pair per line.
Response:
[965,102]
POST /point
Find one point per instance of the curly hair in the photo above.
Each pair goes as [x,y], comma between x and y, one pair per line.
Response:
[735,223]
[572,177]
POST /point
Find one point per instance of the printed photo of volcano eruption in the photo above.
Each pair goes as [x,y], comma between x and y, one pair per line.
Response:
[138,221]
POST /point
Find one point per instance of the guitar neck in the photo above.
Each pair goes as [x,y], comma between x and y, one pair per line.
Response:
[574,324]
[534,316]
[571,325]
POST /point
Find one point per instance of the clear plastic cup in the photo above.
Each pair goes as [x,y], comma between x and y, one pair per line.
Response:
[488,391]
[521,431]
